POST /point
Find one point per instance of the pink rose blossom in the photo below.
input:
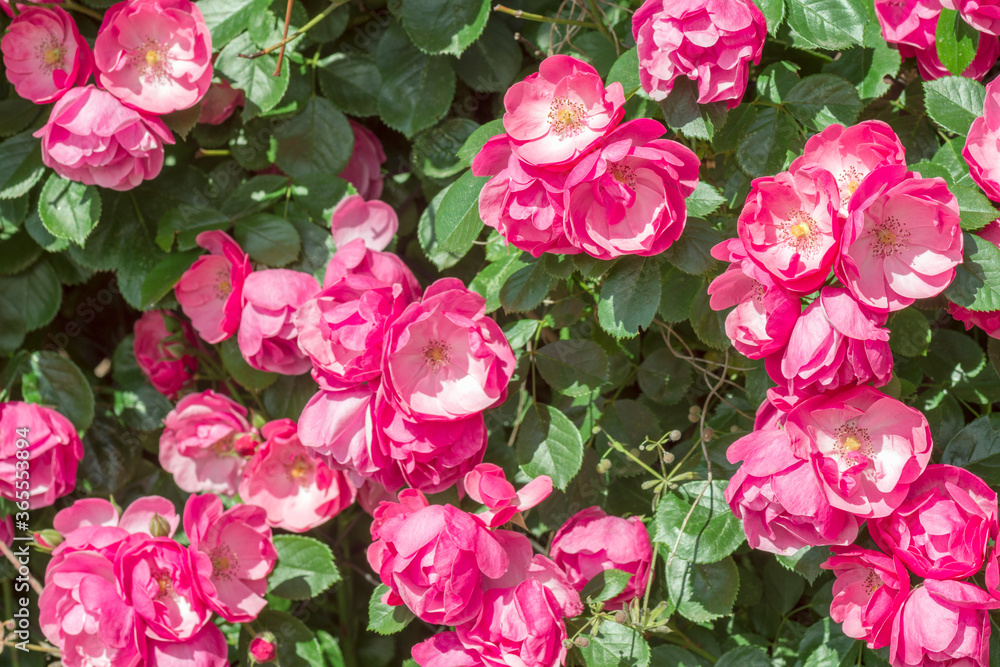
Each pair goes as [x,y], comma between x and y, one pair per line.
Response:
[851,153]
[591,542]
[982,145]
[866,448]
[267,333]
[983,15]
[930,66]
[219,103]
[444,358]
[341,329]
[203,443]
[902,240]
[355,258]
[867,594]
[364,169]
[44,54]
[262,650]
[944,527]
[711,42]
[207,648]
[908,22]
[82,613]
[628,195]
[162,345]
[154,55]
[943,624]
[559,113]
[337,426]
[162,581]
[487,484]
[7,530]
[297,491]
[374,222]
[93,138]
[238,542]
[371,494]
[53,451]
[765,312]
[211,291]
[836,342]
[778,498]
[434,558]
[790,226]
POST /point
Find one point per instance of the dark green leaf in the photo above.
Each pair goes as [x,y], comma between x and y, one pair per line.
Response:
[296,645]
[490,280]
[777,79]
[386,619]
[824,99]
[16,114]
[20,165]
[69,210]
[954,102]
[524,290]
[703,592]
[806,562]
[248,377]
[605,585]
[18,253]
[678,291]
[435,150]
[629,296]
[709,324]
[470,149]
[768,142]
[910,333]
[493,60]
[305,568]
[549,444]
[744,656]
[315,142]
[977,279]
[416,88]
[956,41]
[977,448]
[692,252]
[162,278]
[573,367]
[34,295]
[712,531]
[663,377]
[977,211]
[351,81]
[62,384]
[185,224]
[683,113]
[445,26]
[268,239]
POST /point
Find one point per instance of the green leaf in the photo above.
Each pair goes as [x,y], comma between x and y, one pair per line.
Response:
[435,150]
[709,324]
[683,113]
[548,443]
[824,99]
[305,568]
[830,24]
[490,280]
[977,278]
[629,296]
[704,200]
[161,279]
[69,210]
[444,26]
[417,89]
[692,252]
[626,70]
[774,14]
[470,149]
[268,239]
[316,142]
[616,645]
[678,291]
[386,619]
[953,102]
[18,253]
[977,211]
[20,165]
[456,222]
[296,645]
[824,644]
[524,290]
[227,18]
[254,76]
[16,114]
[977,448]
[806,562]
[703,591]
[185,223]
[663,377]
[573,367]
[605,585]
[877,62]
[768,142]
[247,377]
[956,41]
[910,333]
[774,82]
[63,385]
[492,62]
[744,656]
[351,81]
[34,295]
[712,531]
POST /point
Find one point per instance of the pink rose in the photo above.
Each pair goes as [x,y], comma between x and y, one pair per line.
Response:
[866,448]
[902,240]
[337,426]
[39,454]
[82,613]
[982,145]
[204,443]
[262,650]
[267,333]
[851,153]
[211,291]
[238,542]
[983,15]
[559,113]
[867,594]
[908,22]
[374,222]
[364,169]
[591,542]
[434,558]
[790,226]
[627,196]
[44,54]
[487,484]
[219,103]
[711,42]
[523,202]
[93,138]
[154,55]
[341,329]
[444,358]
[297,491]
[162,345]
[836,342]
[162,581]
[778,498]
[7,530]
[944,527]
[207,648]
[931,67]
[765,312]
[988,321]
[943,624]
[355,258]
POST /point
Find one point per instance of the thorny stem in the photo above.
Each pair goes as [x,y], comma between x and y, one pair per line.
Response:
[521,14]
[298,33]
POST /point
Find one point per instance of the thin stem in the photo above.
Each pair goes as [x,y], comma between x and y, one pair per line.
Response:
[603,29]
[521,14]
[9,555]
[284,37]
[36,647]
[298,33]
[683,641]
[69,4]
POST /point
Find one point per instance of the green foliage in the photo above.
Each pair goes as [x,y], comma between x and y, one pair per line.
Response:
[305,568]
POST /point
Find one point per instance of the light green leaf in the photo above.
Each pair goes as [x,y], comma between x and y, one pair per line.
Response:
[162,278]
[703,592]
[456,222]
[20,165]
[977,279]
[305,568]
[386,619]
[953,102]
[548,443]
[616,645]
[254,76]
[956,41]
[830,24]
[69,210]
[712,531]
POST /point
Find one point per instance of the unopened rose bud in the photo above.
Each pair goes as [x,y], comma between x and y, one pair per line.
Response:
[620,616]
[246,444]
[675,435]
[263,648]
[668,458]
[158,526]
[582,642]
[48,539]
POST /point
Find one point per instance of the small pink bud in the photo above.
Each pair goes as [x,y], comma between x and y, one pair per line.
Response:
[263,648]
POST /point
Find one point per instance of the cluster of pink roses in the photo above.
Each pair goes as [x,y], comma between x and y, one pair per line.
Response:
[506,604]
[911,25]
[568,176]
[120,590]
[39,454]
